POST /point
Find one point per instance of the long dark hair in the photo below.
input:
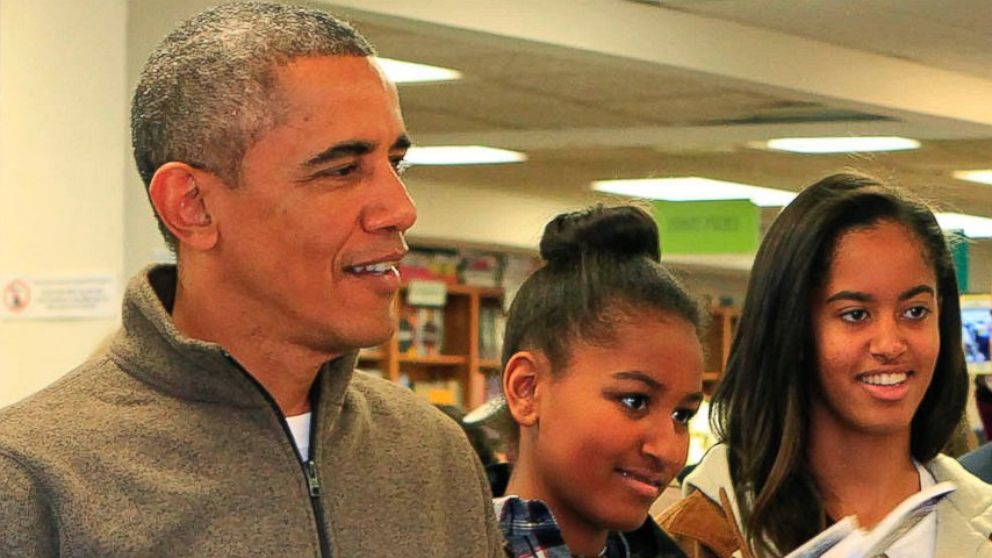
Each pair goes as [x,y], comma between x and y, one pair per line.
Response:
[761,409]
[601,264]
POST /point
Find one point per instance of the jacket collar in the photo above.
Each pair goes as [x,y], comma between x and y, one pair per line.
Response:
[710,475]
[966,521]
[152,350]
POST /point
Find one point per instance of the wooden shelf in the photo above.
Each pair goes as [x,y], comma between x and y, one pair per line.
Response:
[374,355]
[436,360]
[490,365]
[459,289]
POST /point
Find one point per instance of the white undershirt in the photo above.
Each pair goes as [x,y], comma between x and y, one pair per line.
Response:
[300,427]
[921,540]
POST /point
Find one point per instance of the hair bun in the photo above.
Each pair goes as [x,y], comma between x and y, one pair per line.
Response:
[622,231]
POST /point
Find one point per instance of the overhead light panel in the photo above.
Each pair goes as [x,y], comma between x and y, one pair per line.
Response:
[400,71]
[981,176]
[694,188]
[851,144]
[461,155]
[971,225]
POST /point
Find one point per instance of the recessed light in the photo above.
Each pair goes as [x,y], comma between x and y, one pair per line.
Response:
[853,144]
[461,155]
[400,71]
[971,225]
[983,176]
[694,188]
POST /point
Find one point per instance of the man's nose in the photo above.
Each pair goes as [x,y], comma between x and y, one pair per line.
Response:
[392,208]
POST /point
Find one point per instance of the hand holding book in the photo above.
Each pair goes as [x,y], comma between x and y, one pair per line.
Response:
[845,539]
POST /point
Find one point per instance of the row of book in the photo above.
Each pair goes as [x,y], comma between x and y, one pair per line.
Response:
[467,267]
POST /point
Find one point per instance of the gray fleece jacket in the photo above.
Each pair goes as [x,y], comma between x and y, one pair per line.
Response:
[166,447]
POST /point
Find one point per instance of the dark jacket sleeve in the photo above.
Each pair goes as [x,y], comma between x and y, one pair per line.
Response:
[27,523]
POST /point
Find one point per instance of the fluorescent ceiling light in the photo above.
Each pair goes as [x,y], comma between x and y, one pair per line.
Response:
[842,144]
[694,188]
[971,225]
[400,71]
[461,155]
[980,176]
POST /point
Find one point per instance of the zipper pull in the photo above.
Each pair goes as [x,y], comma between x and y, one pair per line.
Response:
[313,480]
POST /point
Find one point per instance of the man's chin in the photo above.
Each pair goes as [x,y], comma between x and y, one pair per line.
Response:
[368,338]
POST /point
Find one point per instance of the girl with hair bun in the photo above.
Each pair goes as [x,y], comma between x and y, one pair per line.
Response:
[845,380]
[602,370]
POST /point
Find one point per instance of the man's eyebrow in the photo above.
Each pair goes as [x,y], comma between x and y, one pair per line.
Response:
[337,151]
[638,376]
[402,142]
[353,148]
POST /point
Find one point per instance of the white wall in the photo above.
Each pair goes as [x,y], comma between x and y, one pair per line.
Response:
[62,145]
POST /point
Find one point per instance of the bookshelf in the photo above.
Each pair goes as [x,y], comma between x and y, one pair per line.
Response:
[461,365]
[719,336]
[456,373]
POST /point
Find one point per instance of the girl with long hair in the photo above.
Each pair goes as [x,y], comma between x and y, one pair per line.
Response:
[845,379]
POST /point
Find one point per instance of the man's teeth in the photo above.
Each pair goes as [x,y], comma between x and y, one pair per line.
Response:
[378,268]
[885,379]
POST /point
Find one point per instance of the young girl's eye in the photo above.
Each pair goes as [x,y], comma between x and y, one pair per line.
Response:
[916,312]
[854,316]
[634,402]
[683,416]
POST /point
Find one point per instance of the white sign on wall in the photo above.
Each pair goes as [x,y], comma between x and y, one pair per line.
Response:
[58,297]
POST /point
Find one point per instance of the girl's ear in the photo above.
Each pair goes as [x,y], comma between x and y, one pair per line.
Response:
[522,386]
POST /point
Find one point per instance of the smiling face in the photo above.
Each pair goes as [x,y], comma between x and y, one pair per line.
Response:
[876,329]
[310,238]
[612,427]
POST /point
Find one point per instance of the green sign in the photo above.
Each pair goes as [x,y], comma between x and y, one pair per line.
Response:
[959,253]
[708,227]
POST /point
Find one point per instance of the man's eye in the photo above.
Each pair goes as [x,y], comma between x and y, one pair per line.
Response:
[337,172]
[400,165]
[854,316]
[683,416]
[634,402]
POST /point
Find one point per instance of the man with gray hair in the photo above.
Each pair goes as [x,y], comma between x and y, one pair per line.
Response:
[227,419]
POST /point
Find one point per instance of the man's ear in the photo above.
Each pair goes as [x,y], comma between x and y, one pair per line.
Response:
[522,386]
[176,194]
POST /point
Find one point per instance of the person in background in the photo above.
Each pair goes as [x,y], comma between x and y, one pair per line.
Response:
[497,470]
[226,419]
[979,461]
[602,370]
[844,381]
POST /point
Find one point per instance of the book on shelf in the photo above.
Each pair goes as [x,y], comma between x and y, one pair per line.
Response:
[431,265]
[481,270]
[845,539]
[492,322]
[421,331]
[439,391]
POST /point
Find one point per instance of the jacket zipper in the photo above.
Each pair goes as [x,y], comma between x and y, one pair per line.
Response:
[310,472]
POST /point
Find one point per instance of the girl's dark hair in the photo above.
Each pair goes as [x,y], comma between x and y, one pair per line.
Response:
[601,265]
[761,407]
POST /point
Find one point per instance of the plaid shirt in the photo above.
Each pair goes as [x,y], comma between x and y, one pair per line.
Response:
[532,532]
